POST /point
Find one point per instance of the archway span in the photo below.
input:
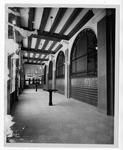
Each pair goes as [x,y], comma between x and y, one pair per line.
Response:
[83,67]
[60,72]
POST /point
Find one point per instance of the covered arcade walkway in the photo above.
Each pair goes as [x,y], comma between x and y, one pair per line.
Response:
[73,51]
[67,121]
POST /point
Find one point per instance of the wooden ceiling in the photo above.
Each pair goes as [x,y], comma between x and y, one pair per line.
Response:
[53,25]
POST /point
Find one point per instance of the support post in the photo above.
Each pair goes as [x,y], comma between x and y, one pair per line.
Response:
[54,76]
[102,71]
[67,79]
[106,63]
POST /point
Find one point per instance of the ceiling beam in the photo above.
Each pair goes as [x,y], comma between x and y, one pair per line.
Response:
[45,16]
[29,63]
[49,36]
[81,23]
[30,26]
[58,18]
[37,59]
[70,20]
[31,50]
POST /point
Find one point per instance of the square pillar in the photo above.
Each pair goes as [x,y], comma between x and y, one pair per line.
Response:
[47,80]
[102,70]
[54,76]
[106,63]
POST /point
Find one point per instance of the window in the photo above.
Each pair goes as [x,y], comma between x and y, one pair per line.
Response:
[60,67]
[50,70]
[84,54]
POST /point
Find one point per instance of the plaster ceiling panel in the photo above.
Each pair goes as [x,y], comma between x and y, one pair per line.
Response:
[25,42]
[41,44]
[38,17]
[80,16]
[33,42]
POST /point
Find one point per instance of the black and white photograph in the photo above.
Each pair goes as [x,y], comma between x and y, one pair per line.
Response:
[61,75]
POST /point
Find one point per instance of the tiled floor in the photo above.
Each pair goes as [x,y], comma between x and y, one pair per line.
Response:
[67,121]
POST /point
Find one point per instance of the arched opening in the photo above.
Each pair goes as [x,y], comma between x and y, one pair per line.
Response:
[50,74]
[60,72]
[83,67]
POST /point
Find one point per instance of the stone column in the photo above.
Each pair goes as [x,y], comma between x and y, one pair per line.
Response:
[106,62]
[54,75]
[47,73]
[67,79]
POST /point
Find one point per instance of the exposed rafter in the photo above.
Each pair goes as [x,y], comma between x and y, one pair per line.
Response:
[31,50]
[48,36]
[37,59]
[58,18]
[45,16]
[30,26]
[52,45]
[81,23]
[72,17]
[52,37]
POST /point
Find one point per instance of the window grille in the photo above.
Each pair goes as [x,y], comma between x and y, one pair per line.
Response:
[84,54]
[60,67]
